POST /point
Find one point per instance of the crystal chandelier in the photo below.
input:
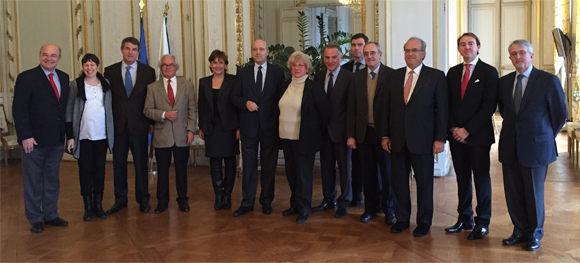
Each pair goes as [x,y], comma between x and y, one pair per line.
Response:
[353,4]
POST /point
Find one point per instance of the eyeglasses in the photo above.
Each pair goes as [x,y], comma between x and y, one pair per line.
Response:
[414,50]
[521,53]
[168,65]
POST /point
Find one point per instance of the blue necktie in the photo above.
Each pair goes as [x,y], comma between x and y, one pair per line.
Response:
[518,93]
[128,81]
[358,64]
[373,74]
[259,79]
[330,86]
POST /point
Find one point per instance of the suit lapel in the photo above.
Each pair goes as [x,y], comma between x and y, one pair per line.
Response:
[181,86]
[382,78]
[118,72]
[510,89]
[252,81]
[530,88]
[46,82]
[305,96]
[209,93]
[474,76]
[423,76]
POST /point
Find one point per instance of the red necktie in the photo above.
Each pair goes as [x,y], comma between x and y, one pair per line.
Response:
[465,80]
[54,86]
[407,87]
[170,93]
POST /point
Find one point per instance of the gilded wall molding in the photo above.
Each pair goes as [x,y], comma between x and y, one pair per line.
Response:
[363,8]
[252,20]
[194,45]
[376,20]
[12,46]
[239,31]
[184,65]
[225,26]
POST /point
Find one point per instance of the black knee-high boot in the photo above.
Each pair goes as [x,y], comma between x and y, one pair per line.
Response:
[229,180]
[98,206]
[217,181]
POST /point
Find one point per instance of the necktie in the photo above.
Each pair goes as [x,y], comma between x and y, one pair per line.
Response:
[518,93]
[408,85]
[330,86]
[128,81]
[373,74]
[170,93]
[465,80]
[259,79]
[357,66]
[54,86]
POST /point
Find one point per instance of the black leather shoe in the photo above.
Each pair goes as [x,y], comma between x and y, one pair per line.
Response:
[242,211]
[341,211]
[290,211]
[184,207]
[267,209]
[458,227]
[390,219]
[57,222]
[356,203]
[302,218]
[421,230]
[478,232]
[324,206]
[513,239]
[37,227]
[144,208]
[399,227]
[533,244]
[116,208]
[98,206]
[227,201]
[159,209]
[367,217]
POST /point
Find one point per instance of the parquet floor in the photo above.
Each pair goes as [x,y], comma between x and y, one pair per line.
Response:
[205,235]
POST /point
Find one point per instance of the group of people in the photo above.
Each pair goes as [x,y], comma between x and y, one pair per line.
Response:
[376,124]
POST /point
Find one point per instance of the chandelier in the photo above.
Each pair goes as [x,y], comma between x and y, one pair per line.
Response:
[353,4]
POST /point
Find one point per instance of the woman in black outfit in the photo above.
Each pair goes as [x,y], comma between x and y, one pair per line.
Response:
[218,126]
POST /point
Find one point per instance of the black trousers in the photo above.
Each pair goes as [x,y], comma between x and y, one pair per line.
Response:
[356,176]
[333,153]
[223,181]
[180,158]
[299,168]
[468,159]
[138,145]
[423,167]
[268,146]
[92,160]
[524,194]
[375,173]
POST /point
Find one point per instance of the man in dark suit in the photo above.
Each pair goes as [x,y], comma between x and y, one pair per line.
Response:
[414,129]
[129,79]
[256,96]
[533,108]
[40,97]
[363,132]
[334,150]
[472,100]
[170,102]
[357,43]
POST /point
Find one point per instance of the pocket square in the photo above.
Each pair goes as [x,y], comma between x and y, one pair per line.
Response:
[477,80]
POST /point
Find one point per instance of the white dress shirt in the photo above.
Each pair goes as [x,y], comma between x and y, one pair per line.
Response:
[54,78]
[173,87]
[417,72]
[133,72]
[524,80]
[334,76]
[93,124]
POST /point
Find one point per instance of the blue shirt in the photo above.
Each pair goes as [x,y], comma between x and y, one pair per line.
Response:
[54,78]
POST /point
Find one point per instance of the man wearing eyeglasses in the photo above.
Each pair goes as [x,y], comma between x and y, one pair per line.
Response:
[533,108]
[129,79]
[414,129]
[171,104]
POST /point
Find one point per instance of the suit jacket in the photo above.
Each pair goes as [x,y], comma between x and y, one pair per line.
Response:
[265,117]
[128,111]
[168,133]
[228,112]
[314,116]
[479,102]
[358,103]
[338,102]
[531,133]
[37,112]
[348,66]
[423,119]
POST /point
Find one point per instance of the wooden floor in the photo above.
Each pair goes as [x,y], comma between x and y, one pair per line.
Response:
[205,235]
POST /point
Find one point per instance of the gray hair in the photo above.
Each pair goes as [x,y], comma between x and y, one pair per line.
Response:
[59,50]
[423,44]
[168,55]
[376,44]
[522,43]
[332,45]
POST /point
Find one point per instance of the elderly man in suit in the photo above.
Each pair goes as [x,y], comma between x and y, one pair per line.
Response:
[336,81]
[129,79]
[40,97]
[415,129]
[256,96]
[171,104]
[357,43]
[472,100]
[363,132]
[533,108]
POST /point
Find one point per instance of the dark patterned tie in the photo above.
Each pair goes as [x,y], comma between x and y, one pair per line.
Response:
[330,85]
[518,93]
[259,79]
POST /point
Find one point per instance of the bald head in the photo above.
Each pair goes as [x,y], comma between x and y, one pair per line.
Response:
[260,51]
[49,56]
